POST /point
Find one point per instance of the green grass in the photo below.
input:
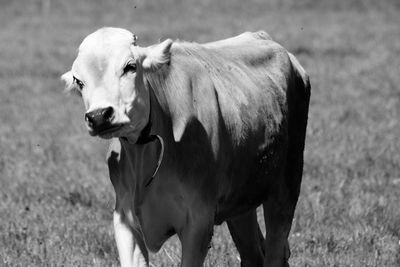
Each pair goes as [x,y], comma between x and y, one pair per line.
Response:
[56,200]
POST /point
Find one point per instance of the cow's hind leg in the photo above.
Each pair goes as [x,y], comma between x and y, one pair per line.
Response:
[279,211]
[248,239]
[278,220]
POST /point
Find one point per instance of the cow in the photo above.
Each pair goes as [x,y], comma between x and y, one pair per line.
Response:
[201,134]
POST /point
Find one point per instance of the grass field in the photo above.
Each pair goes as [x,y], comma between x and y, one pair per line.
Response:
[56,200]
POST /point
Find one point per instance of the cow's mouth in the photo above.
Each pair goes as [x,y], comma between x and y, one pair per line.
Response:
[106,131]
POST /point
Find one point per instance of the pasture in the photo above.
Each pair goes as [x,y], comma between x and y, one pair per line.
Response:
[56,200]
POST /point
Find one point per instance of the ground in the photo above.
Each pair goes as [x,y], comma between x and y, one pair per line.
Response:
[56,200]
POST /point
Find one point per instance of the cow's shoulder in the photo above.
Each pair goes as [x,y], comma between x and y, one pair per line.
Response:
[237,78]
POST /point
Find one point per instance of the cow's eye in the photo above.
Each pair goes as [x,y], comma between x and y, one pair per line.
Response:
[130,67]
[79,83]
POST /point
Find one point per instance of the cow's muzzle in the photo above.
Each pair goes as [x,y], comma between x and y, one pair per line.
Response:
[99,121]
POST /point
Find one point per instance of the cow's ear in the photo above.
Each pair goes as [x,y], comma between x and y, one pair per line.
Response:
[68,79]
[157,55]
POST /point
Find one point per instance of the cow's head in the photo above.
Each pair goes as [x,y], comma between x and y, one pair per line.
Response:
[108,74]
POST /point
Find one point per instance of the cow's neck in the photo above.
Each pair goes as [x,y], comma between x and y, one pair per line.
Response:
[159,120]
[146,151]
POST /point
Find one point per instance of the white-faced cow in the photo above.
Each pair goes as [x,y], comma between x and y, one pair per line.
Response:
[200,134]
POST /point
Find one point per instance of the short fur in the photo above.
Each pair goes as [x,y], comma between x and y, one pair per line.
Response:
[233,116]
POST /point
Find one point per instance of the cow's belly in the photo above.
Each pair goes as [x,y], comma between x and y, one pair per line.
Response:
[248,198]
[250,178]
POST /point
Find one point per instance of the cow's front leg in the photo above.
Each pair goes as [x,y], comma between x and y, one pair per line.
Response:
[195,239]
[130,253]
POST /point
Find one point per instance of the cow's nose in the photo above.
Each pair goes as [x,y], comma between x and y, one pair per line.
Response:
[99,118]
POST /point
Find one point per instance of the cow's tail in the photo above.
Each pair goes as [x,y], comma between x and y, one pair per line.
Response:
[298,103]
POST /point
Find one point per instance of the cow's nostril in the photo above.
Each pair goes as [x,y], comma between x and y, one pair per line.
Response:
[107,113]
[89,117]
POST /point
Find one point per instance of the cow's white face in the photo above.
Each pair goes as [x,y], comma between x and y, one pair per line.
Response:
[108,74]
